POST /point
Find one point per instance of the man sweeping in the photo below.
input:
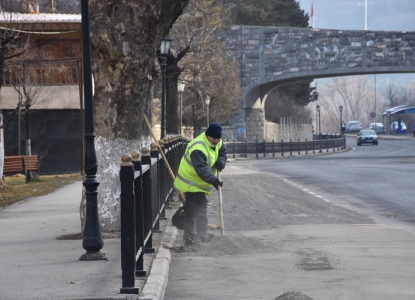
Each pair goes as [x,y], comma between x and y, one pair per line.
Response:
[204,156]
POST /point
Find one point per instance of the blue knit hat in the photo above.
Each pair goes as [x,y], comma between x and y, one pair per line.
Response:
[214,130]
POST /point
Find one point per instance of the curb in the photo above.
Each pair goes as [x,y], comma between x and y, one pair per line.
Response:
[156,283]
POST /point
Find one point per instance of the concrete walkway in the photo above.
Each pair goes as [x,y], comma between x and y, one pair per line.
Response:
[40,260]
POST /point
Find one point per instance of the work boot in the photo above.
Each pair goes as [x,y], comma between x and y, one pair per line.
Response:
[189,238]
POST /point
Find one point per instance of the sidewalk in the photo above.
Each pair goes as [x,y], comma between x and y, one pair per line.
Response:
[37,265]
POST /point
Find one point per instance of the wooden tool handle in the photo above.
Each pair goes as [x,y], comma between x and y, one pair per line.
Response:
[164,157]
[222,224]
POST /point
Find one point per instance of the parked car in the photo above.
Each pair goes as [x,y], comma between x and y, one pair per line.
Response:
[353,126]
[395,127]
[379,128]
[367,136]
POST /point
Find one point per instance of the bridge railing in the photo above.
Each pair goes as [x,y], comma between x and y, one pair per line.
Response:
[262,148]
[146,189]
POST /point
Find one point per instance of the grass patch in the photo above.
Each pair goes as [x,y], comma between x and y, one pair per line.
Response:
[15,189]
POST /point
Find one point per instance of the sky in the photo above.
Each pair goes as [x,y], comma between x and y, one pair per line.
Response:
[394,15]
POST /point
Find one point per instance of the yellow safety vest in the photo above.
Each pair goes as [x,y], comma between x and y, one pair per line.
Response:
[187,179]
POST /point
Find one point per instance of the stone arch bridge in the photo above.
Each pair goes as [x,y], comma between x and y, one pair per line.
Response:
[273,56]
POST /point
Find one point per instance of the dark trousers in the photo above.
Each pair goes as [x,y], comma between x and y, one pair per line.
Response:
[195,215]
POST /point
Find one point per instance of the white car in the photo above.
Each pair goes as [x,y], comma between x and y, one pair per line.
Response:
[353,126]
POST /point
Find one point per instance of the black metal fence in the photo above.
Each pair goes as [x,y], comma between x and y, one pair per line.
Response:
[263,148]
[146,189]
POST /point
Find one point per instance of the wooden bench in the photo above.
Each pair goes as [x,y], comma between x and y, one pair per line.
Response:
[22,164]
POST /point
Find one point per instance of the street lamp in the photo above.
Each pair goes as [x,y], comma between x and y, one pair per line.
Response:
[164,50]
[92,238]
[180,87]
[319,125]
[341,121]
[207,101]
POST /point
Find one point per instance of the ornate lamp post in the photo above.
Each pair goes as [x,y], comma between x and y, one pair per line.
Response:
[319,125]
[164,50]
[92,238]
[341,120]
[207,101]
[180,87]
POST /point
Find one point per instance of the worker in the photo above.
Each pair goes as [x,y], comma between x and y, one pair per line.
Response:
[203,158]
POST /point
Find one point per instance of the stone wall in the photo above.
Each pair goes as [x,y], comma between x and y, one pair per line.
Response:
[288,129]
[269,54]
[255,124]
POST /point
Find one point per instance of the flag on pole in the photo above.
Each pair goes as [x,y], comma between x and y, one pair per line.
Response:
[312,13]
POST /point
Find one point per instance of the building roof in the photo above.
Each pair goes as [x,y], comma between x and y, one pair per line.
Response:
[41,23]
[401,109]
[39,18]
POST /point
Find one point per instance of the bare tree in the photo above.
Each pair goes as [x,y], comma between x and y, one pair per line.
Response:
[357,96]
[30,90]
[125,37]
[197,55]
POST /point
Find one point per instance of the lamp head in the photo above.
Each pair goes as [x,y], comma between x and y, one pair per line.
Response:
[180,85]
[341,108]
[165,45]
[207,100]
[318,108]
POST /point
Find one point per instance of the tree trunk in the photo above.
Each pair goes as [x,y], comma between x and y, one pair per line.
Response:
[27,128]
[1,162]
[172,76]
[125,36]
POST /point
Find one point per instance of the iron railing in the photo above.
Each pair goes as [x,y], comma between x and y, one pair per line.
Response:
[146,189]
[262,148]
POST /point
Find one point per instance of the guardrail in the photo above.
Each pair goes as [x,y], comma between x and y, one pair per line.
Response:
[146,189]
[263,148]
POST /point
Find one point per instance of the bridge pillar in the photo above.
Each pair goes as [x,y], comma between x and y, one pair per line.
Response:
[255,124]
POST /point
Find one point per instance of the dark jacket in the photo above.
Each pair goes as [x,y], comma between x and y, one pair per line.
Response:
[199,160]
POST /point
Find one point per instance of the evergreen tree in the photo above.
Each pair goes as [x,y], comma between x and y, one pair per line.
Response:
[283,13]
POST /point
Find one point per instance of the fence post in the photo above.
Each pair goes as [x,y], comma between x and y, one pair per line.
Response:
[147,201]
[273,148]
[320,145]
[306,146]
[265,148]
[139,221]
[169,182]
[154,153]
[291,148]
[298,145]
[256,148]
[282,147]
[234,148]
[128,249]
[246,149]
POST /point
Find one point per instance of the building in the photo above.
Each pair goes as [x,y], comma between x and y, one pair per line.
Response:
[48,76]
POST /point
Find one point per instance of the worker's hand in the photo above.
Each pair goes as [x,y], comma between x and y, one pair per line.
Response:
[219,165]
[217,183]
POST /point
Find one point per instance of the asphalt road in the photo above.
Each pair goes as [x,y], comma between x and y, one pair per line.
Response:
[331,226]
[374,180]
